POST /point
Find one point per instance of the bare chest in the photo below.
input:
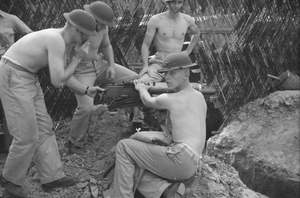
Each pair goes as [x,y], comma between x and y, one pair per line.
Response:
[176,30]
[95,41]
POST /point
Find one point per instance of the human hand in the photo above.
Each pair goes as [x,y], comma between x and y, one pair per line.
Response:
[110,73]
[140,85]
[92,91]
[144,70]
[81,51]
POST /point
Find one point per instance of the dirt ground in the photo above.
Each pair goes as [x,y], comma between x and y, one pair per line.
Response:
[104,132]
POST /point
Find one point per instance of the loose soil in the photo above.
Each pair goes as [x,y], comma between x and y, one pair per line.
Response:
[104,132]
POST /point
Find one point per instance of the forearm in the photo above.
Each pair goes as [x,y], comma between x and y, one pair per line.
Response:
[145,97]
[109,55]
[145,54]
[70,68]
[76,86]
[22,28]
[193,42]
[60,78]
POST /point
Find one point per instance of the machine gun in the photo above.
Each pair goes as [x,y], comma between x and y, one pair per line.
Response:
[124,94]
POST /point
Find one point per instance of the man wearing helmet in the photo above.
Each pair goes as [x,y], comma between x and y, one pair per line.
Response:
[23,100]
[142,162]
[94,69]
[167,30]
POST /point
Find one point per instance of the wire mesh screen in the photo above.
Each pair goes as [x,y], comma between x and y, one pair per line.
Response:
[241,42]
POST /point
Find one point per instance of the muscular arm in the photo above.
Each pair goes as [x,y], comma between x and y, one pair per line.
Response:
[20,27]
[107,49]
[75,85]
[59,74]
[109,55]
[160,102]
[150,33]
[192,29]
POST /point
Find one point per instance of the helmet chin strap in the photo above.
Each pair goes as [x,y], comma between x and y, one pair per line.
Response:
[172,9]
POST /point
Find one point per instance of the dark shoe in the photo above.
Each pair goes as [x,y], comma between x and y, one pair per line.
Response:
[63,182]
[74,149]
[135,127]
[13,189]
[139,126]
[175,190]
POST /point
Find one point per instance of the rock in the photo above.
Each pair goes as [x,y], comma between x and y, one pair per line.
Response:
[82,184]
[217,180]
[262,143]
[99,165]
[35,178]
[86,193]
[94,190]
[93,180]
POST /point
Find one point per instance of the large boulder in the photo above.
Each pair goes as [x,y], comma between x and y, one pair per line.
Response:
[217,180]
[262,143]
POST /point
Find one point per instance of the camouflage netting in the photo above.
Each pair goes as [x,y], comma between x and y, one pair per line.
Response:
[241,42]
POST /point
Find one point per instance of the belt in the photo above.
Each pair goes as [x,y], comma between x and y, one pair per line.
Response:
[13,65]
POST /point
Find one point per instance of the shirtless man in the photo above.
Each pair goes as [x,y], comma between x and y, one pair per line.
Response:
[141,165]
[10,26]
[94,69]
[167,30]
[23,100]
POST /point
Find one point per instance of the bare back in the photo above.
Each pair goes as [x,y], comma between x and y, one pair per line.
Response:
[36,50]
[187,110]
[170,32]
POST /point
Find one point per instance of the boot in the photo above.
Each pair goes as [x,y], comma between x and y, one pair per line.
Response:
[12,189]
[63,182]
[175,190]
[74,149]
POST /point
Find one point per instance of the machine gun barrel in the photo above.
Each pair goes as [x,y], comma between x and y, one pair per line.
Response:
[161,87]
[126,90]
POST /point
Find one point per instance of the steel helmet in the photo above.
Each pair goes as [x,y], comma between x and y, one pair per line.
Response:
[82,20]
[101,11]
[176,61]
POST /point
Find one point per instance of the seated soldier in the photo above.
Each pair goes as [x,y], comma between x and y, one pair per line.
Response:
[153,168]
[167,31]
